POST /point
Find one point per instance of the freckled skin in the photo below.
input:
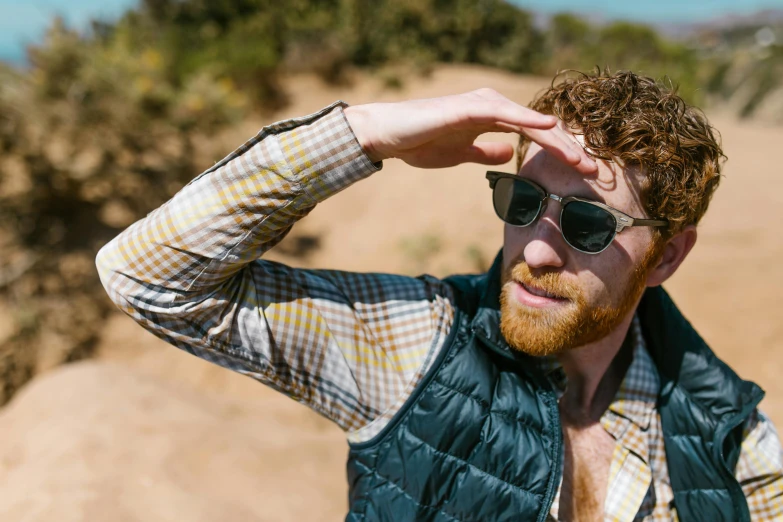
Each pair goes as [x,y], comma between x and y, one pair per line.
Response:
[588,454]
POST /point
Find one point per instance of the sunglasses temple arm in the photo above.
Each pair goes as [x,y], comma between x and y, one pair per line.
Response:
[648,223]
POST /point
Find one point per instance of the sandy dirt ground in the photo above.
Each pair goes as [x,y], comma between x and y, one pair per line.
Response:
[148,433]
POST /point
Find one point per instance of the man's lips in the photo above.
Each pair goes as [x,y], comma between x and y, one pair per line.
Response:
[540,291]
[537,297]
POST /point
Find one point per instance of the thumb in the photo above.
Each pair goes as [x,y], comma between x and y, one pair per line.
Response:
[486,153]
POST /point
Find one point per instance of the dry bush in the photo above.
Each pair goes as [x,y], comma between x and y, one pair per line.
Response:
[91,138]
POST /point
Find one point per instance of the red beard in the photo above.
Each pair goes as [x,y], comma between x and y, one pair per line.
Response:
[575,323]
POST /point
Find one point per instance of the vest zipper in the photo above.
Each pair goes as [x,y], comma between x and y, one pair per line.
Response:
[557,453]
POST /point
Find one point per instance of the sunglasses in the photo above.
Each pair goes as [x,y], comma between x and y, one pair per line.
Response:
[588,226]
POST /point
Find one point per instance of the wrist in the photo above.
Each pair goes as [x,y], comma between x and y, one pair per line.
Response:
[361,124]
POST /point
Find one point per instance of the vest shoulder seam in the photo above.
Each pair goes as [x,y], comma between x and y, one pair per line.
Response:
[444,356]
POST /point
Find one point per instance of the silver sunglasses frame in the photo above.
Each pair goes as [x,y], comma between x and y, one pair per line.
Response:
[622,220]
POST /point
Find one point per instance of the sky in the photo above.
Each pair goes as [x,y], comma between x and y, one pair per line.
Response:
[652,11]
[24,21]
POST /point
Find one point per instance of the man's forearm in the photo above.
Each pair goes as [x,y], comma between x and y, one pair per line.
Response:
[237,210]
[189,274]
[234,212]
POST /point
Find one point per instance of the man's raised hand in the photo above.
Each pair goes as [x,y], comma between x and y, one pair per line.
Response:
[443,132]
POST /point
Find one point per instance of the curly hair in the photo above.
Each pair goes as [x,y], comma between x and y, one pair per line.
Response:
[635,120]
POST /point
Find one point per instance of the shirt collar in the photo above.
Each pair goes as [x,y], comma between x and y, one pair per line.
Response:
[636,398]
[638,394]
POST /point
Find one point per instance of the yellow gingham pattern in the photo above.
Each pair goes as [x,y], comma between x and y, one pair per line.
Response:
[350,346]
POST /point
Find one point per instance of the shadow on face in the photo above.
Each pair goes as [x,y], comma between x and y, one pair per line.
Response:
[541,244]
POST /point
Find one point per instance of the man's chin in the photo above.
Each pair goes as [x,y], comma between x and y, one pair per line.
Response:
[537,342]
[537,330]
[534,322]
[553,330]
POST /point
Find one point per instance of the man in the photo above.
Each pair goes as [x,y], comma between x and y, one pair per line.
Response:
[561,385]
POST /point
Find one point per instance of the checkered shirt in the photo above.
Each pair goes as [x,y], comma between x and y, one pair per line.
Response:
[351,346]
[639,487]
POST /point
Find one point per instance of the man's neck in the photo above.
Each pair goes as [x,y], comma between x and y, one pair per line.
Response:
[594,373]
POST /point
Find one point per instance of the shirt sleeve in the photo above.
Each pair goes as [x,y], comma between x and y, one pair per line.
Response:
[348,345]
[760,469]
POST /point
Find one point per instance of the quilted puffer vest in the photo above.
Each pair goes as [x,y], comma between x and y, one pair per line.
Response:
[480,439]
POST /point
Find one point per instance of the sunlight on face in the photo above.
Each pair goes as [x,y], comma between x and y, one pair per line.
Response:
[554,297]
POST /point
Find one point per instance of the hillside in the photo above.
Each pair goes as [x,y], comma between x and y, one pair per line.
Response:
[147,433]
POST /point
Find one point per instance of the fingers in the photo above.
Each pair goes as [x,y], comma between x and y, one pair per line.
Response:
[586,165]
[506,116]
[488,106]
[486,153]
[564,147]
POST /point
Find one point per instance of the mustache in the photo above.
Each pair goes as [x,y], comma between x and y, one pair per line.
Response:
[551,282]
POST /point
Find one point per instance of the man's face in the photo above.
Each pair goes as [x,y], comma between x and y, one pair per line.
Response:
[595,293]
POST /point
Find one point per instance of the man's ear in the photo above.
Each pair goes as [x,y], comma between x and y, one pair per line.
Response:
[674,253]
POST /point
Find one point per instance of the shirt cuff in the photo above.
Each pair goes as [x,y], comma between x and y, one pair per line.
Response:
[323,153]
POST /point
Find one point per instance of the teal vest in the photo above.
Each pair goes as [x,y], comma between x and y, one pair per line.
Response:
[480,438]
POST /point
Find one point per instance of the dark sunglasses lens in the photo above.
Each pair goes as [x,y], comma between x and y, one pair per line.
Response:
[587,227]
[516,202]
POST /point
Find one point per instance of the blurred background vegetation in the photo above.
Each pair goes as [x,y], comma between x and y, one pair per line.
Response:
[103,126]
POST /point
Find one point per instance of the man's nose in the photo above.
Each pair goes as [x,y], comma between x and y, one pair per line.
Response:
[546,247]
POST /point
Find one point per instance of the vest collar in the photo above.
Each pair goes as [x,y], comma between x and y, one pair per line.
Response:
[683,359]
[637,396]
